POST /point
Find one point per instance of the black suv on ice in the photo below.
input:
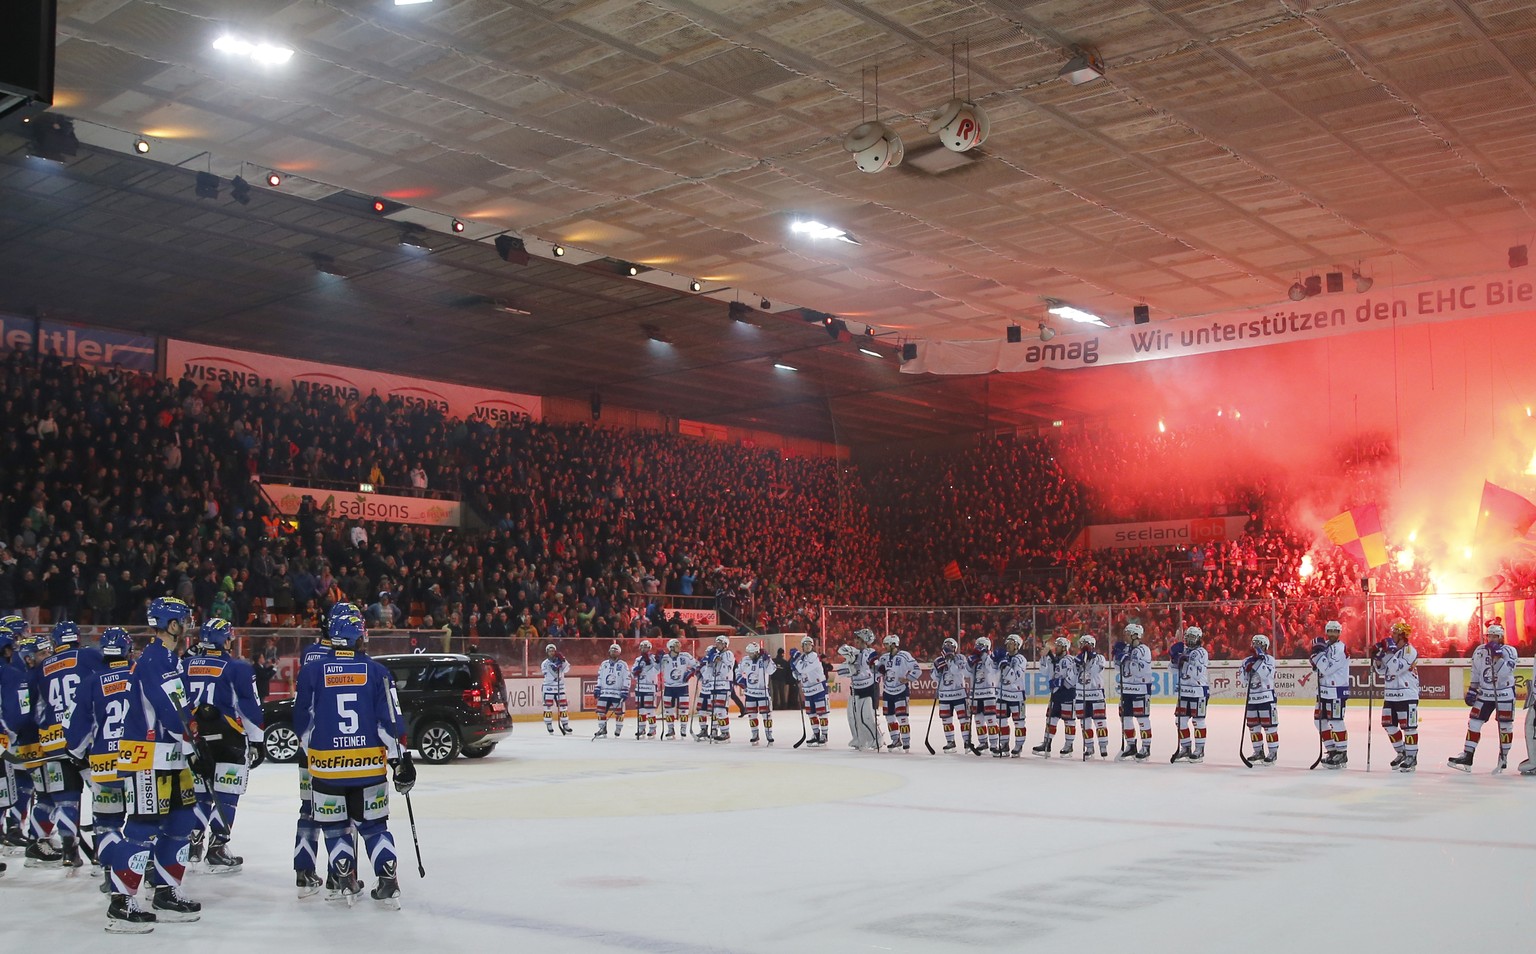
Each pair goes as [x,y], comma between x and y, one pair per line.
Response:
[452,704]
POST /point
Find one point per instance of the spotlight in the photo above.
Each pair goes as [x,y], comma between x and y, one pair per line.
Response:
[837,330]
[264,53]
[1298,291]
[274,179]
[240,190]
[207,186]
[1362,282]
[456,226]
[141,146]
[1085,67]
[1046,332]
[631,270]
[655,334]
[694,285]
[380,206]
[871,352]
[1519,256]
[53,138]
[875,146]
[511,250]
[1015,334]
[765,304]
[785,367]
[559,251]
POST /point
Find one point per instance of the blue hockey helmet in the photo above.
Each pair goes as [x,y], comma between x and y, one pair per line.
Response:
[115,643]
[14,627]
[215,632]
[165,610]
[65,634]
[346,631]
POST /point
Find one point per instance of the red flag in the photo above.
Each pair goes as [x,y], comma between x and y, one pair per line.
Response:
[1503,515]
[952,571]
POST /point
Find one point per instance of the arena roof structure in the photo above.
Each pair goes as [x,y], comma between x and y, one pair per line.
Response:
[1227,151]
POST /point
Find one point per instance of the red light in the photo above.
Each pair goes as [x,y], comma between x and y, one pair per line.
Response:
[458,226]
[274,180]
[379,205]
[473,698]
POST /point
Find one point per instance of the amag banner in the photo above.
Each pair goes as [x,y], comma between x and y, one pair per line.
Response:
[247,369]
[80,344]
[425,511]
[1162,533]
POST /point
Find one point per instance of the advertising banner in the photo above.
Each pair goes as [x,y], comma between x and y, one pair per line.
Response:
[698,617]
[1163,533]
[423,511]
[80,344]
[247,369]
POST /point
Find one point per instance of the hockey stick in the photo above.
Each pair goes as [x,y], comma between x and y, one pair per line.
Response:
[1242,746]
[1318,761]
[805,731]
[421,871]
[1370,718]
[932,710]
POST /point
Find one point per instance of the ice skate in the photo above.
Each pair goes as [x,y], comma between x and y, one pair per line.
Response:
[1180,755]
[387,891]
[171,905]
[1043,750]
[220,861]
[1129,752]
[1144,753]
[949,746]
[1337,760]
[41,854]
[342,885]
[307,882]
[1502,764]
[1408,764]
[1268,759]
[1066,750]
[1462,761]
[69,856]
[1399,760]
[601,732]
[1196,757]
[195,847]
[124,916]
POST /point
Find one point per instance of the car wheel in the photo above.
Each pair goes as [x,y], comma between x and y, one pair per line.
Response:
[281,742]
[479,751]
[437,743]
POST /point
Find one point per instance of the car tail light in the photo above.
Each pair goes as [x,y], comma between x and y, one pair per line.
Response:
[473,697]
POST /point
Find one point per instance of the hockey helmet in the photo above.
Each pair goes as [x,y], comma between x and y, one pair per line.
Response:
[1494,631]
[753,650]
[613,650]
[65,634]
[165,610]
[550,650]
[892,641]
[215,633]
[1013,642]
[115,643]
[1062,644]
[673,645]
[1088,640]
[15,626]
[346,632]
[1133,631]
[807,643]
[723,641]
[1334,628]
[950,645]
[1194,634]
[864,636]
[645,645]
[983,644]
[1261,642]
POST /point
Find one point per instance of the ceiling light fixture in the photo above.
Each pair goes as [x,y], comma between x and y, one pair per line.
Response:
[456,226]
[380,206]
[1363,283]
[655,334]
[1046,332]
[508,309]
[53,138]
[629,268]
[813,229]
[1298,291]
[410,3]
[267,54]
[785,367]
[274,179]
[1070,313]
[872,353]
[1084,67]
[559,251]
[694,285]
[765,304]
[141,146]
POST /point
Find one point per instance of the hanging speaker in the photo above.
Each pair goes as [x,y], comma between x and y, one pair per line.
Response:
[909,351]
[1015,334]
[1143,314]
[597,406]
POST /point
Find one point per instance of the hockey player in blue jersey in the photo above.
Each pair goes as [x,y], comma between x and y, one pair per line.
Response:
[306,836]
[153,758]
[19,729]
[92,736]
[222,689]
[60,672]
[349,720]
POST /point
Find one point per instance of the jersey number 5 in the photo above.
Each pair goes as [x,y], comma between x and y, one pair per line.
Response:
[348,721]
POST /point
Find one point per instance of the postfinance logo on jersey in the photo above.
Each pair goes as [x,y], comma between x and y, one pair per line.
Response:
[346,763]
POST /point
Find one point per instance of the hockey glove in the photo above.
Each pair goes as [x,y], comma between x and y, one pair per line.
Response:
[255,754]
[1471,697]
[794,655]
[405,772]
[1318,645]
[202,764]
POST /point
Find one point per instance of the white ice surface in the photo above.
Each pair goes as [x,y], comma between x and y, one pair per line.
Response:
[564,844]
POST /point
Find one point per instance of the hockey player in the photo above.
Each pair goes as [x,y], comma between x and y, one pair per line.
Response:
[806,663]
[1135,666]
[1090,696]
[1060,672]
[896,669]
[306,836]
[1332,666]
[611,691]
[19,726]
[348,718]
[1257,677]
[228,719]
[1396,661]
[554,667]
[676,669]
[93,733]
[10,700]
[1194,696]
[153,760]
[752,677]
[952,672]
[1491,694]
[1013,686]
[60,672]
[985,679]
[645,671]
[858,668]
[715,671]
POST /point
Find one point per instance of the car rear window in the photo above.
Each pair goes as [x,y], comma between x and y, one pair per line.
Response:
[433,677]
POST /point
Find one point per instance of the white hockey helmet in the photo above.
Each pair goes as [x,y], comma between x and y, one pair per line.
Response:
[1062,644]
[752,649]
[1494,631]
[1334,628]
[1193,634]
[1133,631]
[892,641]
[722,641]
[983,644]
[1261,642]
[673,645]
[864,636]
[950,645]
[1013,642]
[550,650]
[645,645]
[614,649]
[1087,639]
[807,643]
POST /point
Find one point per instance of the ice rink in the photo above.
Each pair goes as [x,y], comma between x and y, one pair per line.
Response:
[558,844]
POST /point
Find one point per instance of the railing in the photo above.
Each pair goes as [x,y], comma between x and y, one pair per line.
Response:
[351,486]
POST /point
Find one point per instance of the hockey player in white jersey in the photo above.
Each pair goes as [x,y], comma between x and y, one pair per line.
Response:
[858,667]
[715,671]
[1257,677]
[1090,696]
[985,679]
[1135,676]
[1395,660]
[1013,686]
[806,664]
[1060,672]
[1332,666]
[1491,694]
[645,672]
[554,667]
[952,672]
[611,691]
[1194,696]
[677,667]
[752,674]
[896,669]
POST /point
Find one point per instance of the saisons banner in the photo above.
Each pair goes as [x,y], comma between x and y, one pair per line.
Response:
[82,344]
[1322,317]
[247,369]
[426,511]
[1162,533]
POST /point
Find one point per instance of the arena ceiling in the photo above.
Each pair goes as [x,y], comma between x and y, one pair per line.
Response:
[1228,149]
